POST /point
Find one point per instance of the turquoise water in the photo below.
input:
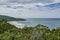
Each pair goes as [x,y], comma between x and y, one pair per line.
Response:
[49,22]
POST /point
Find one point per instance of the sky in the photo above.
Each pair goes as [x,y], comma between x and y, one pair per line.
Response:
[30,8]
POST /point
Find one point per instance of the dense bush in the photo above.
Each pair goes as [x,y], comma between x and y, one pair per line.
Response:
[39,32]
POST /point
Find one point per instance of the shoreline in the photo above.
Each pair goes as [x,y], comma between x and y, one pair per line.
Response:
[18,25]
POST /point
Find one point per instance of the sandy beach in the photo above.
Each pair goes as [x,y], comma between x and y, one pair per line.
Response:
[18,25]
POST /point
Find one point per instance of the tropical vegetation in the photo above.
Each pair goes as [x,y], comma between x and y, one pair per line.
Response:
[38,32]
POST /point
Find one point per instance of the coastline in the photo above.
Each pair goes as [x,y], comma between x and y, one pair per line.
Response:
[18,25]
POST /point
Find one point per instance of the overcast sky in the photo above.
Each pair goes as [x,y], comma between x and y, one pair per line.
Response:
[29,8]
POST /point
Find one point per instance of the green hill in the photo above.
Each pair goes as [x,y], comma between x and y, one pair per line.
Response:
[11,18]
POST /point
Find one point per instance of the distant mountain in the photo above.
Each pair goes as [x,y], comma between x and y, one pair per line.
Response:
[11,18]
[54,5]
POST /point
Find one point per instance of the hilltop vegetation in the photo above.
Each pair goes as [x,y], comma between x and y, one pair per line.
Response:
[39,32]
[11,18]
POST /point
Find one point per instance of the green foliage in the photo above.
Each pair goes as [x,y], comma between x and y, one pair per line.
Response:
[39,32]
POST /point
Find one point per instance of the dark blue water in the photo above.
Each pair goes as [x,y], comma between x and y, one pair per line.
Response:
[49,22]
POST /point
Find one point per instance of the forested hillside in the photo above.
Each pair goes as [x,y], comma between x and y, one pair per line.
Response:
[11,18]
[39,32]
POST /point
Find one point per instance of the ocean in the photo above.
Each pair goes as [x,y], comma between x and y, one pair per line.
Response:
[49,22]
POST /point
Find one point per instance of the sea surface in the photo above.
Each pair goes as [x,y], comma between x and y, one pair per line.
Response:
[49,22]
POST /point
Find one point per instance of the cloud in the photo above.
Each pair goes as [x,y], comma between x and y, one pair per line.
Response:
[31,1]
[28,9]
[57,0]
[25,1]
[30,12]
